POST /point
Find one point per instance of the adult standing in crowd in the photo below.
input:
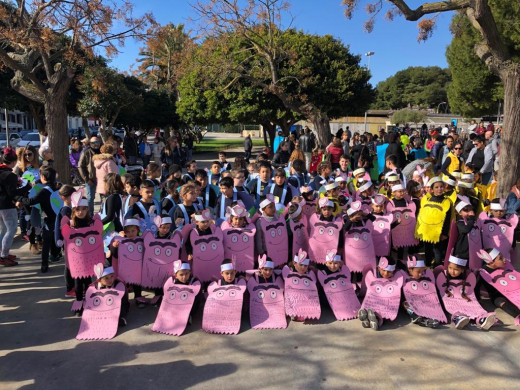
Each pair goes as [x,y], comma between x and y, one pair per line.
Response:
[188,141]
[8,213]
[145,150]
[131,147]
[306,144]
[248,146]
[172,154]
[394,147]
[336,151]
[104,163]
[345,144]
[481,157]
[157,148]
[88,171]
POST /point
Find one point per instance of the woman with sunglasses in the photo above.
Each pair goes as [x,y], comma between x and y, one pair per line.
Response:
[29,160]
[454,161]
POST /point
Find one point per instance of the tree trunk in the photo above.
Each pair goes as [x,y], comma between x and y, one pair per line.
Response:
[322,127]
[56,118]
[84,122]
[270,129]
[36,112]
[103,133]
[285,126]
[509,168]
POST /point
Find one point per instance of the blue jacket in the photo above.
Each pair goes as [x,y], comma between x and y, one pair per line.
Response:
[512,204]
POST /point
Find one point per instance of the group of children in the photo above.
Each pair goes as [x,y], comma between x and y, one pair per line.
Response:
[282,233]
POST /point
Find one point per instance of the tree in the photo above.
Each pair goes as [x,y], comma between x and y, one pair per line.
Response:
[497,50]
[160,62]
[475,90]
[44,43]
[263,52]
[105,95]
[406,116]
[421,87]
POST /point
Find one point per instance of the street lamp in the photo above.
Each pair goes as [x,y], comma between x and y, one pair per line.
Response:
[369,54]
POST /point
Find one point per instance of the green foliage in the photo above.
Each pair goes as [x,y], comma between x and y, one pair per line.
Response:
[475,90]
[408,116]
[422,87]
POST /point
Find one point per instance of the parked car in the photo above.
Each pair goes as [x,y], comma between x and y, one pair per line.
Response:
[32,139]
[14,139]
[77,133]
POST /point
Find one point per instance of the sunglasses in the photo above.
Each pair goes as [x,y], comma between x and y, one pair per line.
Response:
[457,148]
[28,154]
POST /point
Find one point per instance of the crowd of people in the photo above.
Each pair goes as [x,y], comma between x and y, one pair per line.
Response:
[310,214]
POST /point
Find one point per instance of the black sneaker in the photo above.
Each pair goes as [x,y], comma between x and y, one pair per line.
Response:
[45,269]
[433,323]
[363,317]
[418,320]
[122,322]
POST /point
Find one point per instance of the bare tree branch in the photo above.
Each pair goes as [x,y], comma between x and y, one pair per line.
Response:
[429,8]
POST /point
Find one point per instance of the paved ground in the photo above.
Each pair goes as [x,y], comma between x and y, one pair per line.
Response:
[38,349]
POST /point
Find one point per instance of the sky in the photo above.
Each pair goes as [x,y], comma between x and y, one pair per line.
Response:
[394,43]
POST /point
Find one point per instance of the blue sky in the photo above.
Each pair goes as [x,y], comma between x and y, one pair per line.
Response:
[394,43]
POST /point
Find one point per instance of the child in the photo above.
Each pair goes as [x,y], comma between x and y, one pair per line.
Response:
[420,288]
[433,222]
[258,186]
[222,159]
[108,280]
[209,194]
[466,234]
[239,179]
[214,173]
[297,177]
[180,303]
[131,231]
[456,286]
[191,169]
[324,170]
[383,295]
[342,185]
[271,233]
[297,223]
[154,173]
[204,246]
[404,211]
[343,170]
[111,210]
[184,211]
[383,224]
[43,198]
[228,273]
[364,195]
[357,180]
[131,185]
[169,202]
[497,230]
[65,192]
[265,272]
[501,282]
[81,219]
[449,189]
[229,196]
[301,293]
[147,208]
[280,188]
[238,235]
[325,231]
[309,206]
[316,159]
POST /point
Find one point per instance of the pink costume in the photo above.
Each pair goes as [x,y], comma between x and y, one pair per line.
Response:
[223,308]
[266,304]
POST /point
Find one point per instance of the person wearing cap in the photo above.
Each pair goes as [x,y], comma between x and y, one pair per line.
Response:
[269,215]
[449,188]
[203,227]
[164,224]
[434,222]
[416,269]
[453,161]
[108,280]
[466,187]
[504,226]
[390,179]
[265,273]
[455,277]
[494,264]
[228,273]
[280,188]
[357,181]
[465,225]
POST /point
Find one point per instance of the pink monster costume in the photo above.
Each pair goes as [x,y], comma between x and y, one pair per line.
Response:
[340,294]
[240,244]
[129,263]
[421,295]
[208,253]
[266,304]
[403,234]
[101,310]
[498,233]
[381,234]
[383,295]
[223,308]
[506,281]
[84,247]
[323,236]
[301,294]
[456,304]
[359,247]
[175,308]
[159,255]
[276,240]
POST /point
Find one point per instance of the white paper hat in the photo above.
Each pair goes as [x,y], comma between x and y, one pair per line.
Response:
[458,261]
